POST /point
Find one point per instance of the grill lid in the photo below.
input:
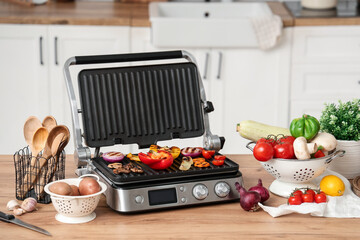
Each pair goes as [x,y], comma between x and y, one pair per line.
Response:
[140,104]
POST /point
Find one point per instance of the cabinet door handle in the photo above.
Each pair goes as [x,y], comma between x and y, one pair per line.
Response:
[206,65]
[220,65]
[56,50]
[41,51]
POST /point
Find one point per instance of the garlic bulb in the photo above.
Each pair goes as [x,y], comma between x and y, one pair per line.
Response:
[19,211]
[29,204]
[12,204]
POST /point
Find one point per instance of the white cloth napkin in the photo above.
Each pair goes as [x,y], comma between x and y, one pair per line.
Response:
[267,30]
[346,206]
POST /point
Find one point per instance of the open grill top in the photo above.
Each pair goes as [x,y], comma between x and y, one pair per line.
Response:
[171,173]
[140,104]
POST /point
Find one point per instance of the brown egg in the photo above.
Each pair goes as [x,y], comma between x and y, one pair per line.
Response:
[75,190]
[60,188]
[89,186]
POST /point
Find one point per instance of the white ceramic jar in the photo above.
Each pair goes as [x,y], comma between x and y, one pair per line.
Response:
[349,164]
[319,4]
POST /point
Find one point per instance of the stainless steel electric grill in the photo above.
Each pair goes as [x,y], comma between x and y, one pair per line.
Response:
[143,105]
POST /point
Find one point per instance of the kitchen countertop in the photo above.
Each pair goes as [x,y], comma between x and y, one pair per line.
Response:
[93,13]
[346,12]
[219,221]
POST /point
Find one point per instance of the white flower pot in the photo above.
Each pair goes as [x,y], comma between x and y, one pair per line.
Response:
[349,164]
[319,4]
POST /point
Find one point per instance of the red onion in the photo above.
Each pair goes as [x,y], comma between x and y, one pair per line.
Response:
[248,199]
[113,156]
[191,151]
[264,193]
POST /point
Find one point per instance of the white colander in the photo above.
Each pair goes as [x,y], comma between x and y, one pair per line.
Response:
[294,173]
[75,209]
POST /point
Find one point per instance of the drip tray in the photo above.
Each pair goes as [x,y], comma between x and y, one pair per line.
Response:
[171,173]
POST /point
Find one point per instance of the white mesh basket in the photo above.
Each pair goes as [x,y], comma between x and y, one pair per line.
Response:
[75,209]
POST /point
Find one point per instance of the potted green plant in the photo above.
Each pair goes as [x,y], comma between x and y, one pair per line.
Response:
[343,121]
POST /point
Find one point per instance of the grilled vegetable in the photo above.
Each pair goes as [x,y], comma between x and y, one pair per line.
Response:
[186,163]
[157,160]
[191,151]
[208,153]
[201,164]
[175,151]
[306,126]
[113,157]
[133,157]
[254,130]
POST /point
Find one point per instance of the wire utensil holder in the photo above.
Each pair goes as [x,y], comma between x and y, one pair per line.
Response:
[31,178]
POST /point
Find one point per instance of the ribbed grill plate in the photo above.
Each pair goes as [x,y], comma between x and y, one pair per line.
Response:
[171,173]
[140,104]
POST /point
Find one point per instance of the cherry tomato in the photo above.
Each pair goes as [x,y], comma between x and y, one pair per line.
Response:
[312,192]
[308,197]
[294,200]
[220,157]
[271,141]
[297,192]
[284,150]
[286,139]
[218,162]
[208,153]
[263,151]
[319,154]
[320,197]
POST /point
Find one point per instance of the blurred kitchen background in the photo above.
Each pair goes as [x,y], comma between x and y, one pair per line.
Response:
[268,61]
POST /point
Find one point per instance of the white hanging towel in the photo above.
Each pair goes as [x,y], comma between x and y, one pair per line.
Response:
[268,31]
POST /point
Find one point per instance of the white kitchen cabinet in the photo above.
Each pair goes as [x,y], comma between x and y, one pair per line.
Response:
[24,81]
[326,44]
[242,84]
[325,68]
[250,84]
[32,60]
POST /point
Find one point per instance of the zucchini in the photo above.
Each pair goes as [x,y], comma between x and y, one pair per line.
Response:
[253,130]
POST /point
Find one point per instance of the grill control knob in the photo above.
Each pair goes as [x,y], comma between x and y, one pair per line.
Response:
[222,189]
[200,191]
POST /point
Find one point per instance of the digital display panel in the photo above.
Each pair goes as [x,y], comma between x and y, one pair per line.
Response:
[162,196]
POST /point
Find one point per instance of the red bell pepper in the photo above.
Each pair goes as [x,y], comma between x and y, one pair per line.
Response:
[157,160]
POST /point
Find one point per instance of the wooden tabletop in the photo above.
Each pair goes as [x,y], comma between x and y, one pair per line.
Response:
[219,221]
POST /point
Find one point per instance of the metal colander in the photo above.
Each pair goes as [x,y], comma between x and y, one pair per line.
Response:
[294,173]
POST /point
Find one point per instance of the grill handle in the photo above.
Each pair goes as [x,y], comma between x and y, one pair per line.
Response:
[129,57]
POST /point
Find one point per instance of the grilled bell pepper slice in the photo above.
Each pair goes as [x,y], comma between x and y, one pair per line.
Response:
[157,160]
[175,151]
[133,157]
[306,126]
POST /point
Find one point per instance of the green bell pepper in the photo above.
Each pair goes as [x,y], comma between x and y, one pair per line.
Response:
[306,126]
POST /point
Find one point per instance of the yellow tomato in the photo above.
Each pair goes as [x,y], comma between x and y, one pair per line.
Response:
[332,185]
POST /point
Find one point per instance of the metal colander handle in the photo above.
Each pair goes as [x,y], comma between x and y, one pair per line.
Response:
[249,147]
[338,153]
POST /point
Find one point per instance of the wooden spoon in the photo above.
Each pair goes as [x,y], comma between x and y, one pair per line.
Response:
[38,141]
[58,146]
[31,125]
[49,123]
[53,143]
[47,153]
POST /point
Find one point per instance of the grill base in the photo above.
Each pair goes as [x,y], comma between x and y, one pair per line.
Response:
[176,194]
